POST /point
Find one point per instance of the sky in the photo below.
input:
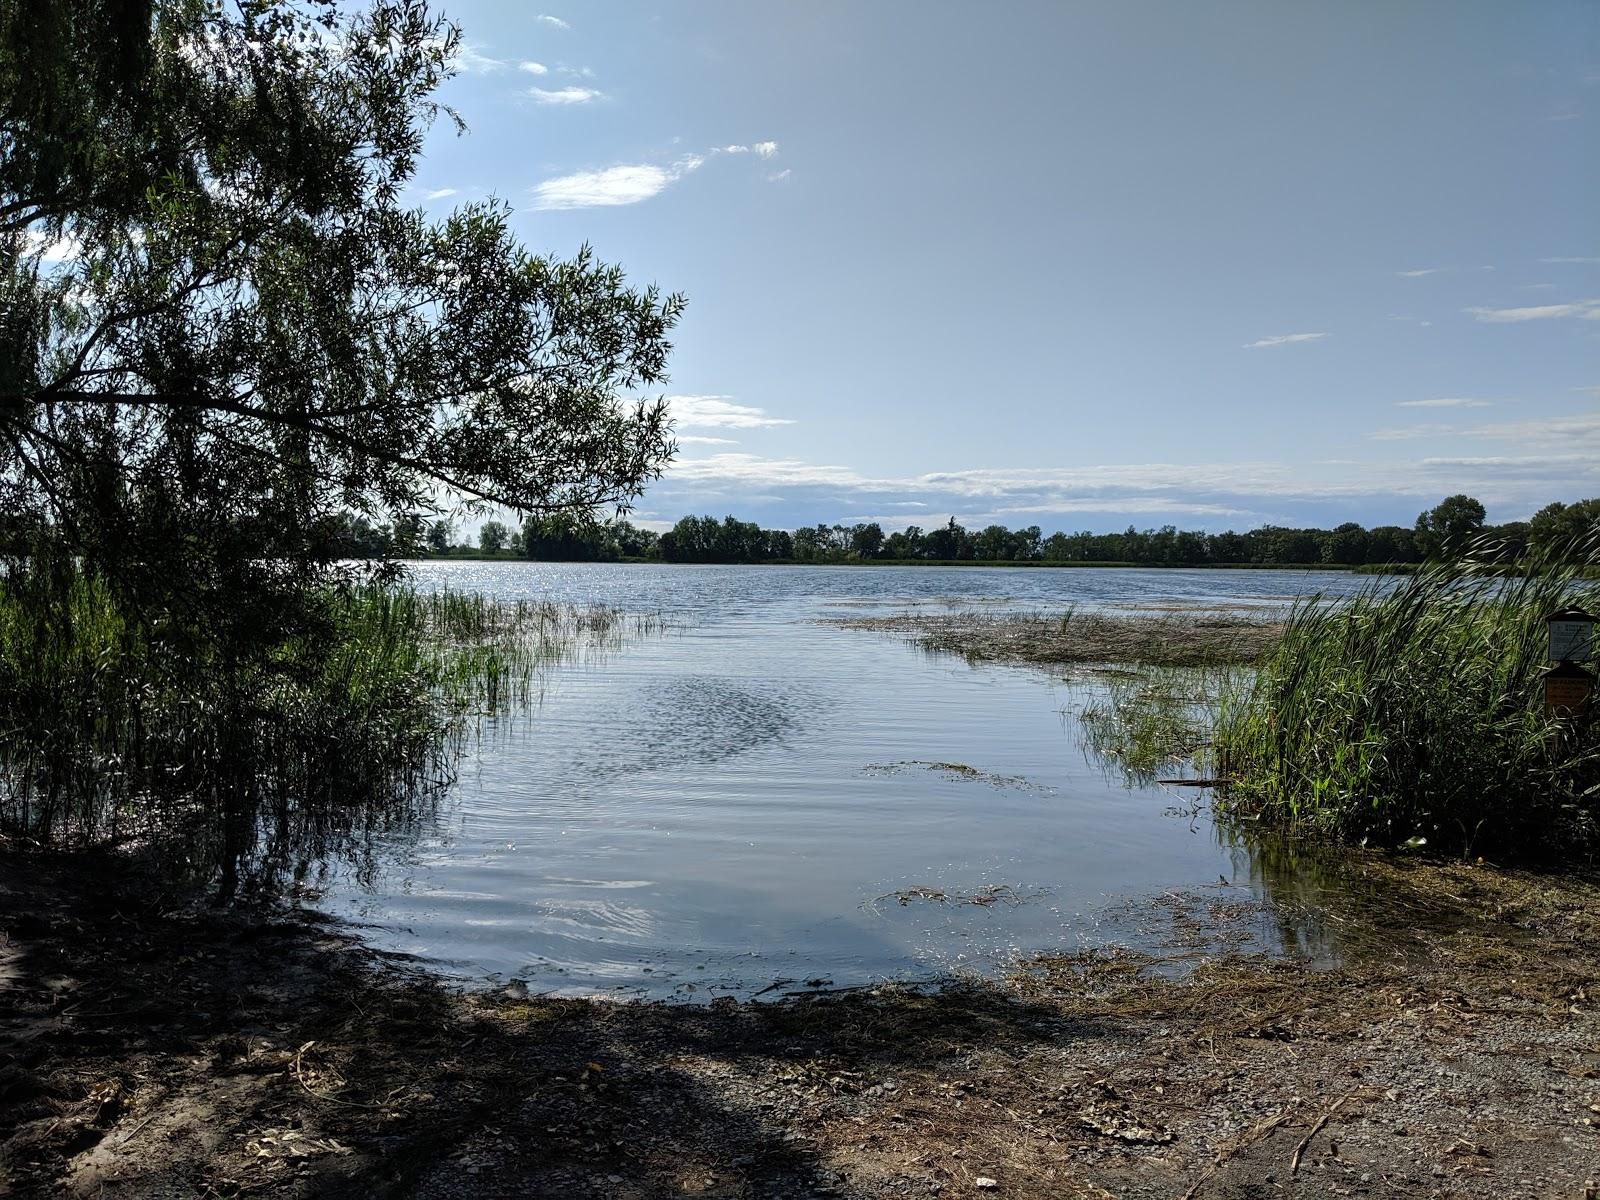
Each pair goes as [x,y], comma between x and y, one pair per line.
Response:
[1079,265]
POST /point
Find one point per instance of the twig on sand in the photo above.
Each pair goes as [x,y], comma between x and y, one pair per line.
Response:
[1230,1149]
[1321,1122]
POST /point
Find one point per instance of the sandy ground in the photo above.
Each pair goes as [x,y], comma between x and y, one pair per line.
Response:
[153,1046]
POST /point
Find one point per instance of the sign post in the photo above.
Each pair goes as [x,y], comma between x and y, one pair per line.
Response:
[1567,686]
[1571,635]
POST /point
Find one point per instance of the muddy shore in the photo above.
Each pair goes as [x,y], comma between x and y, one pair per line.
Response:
[153,1046]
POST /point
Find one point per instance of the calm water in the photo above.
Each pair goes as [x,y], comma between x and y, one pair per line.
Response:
[737,802]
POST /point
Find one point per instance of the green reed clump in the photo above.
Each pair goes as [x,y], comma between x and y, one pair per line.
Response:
[1415,714]
[115,725]
[1149,720]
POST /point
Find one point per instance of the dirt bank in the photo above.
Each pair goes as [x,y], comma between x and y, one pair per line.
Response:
[1176,639]
[151,1046]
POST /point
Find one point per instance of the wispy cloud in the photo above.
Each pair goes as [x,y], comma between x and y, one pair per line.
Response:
[767,149]
[701,412]
[1585,310]
[1419,274]
[779,176]
[626,184]
[471,60]
[1248,493]
[690,439]
[439,193]
[1409,432]
[1570,259]
[1284,339]
[1581,432]
[533,68]
[1444,402]
[566,95]
[556,22]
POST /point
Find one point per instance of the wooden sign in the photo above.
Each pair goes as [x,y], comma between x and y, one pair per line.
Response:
[1571,635]
[1567,690]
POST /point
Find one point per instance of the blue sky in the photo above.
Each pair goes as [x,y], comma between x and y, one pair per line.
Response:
[1078,265]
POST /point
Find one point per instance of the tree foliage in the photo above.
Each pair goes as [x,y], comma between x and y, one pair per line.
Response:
[222,332]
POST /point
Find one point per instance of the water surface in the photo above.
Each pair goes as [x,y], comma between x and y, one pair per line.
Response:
[756,798]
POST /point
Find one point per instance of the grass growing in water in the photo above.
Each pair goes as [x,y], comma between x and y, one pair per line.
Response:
[117,728]
[1155,720]
[1173,639]
[1416,714]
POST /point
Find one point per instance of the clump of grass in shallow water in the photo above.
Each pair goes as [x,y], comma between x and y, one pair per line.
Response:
[1155,720]
[114,727]
[1414,715]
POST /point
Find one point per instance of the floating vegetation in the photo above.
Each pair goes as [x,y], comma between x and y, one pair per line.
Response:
[1179,638]
[984,897]
[954,770]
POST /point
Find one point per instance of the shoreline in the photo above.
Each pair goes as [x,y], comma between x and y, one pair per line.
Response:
[150,1041]
[1018,564]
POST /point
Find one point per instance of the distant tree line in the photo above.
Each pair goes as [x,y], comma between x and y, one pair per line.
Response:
[1450,527]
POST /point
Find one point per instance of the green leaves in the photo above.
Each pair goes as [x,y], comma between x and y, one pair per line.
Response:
[254,334]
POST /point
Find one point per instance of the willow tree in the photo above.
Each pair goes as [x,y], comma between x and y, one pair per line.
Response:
[221,326]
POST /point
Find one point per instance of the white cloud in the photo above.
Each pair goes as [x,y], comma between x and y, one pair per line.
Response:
[1566,433]
[440,193]
[557,22]
[1586,310]
[689,439]
[701,412]
[533,68]
[1248,493]
[1419,274]
[731,150]
[1570,259]
[766,149]
[1409,432]
[779,176]
[1284,339]
[470,60]
[51,250]
[566,95]
[611,185]
[1447,402]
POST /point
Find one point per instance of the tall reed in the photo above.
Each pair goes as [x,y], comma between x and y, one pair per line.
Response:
[1413,713]
[116,726]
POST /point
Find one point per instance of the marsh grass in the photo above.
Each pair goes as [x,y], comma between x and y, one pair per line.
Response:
[1185,638]
[1414,715]
[114,728]
[1150,721]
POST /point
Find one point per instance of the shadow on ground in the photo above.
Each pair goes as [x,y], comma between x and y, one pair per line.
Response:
[151,1046]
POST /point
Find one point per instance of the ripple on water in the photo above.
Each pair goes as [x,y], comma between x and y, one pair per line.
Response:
[721,807]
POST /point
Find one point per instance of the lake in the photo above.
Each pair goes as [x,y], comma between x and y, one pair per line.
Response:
[754,798]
